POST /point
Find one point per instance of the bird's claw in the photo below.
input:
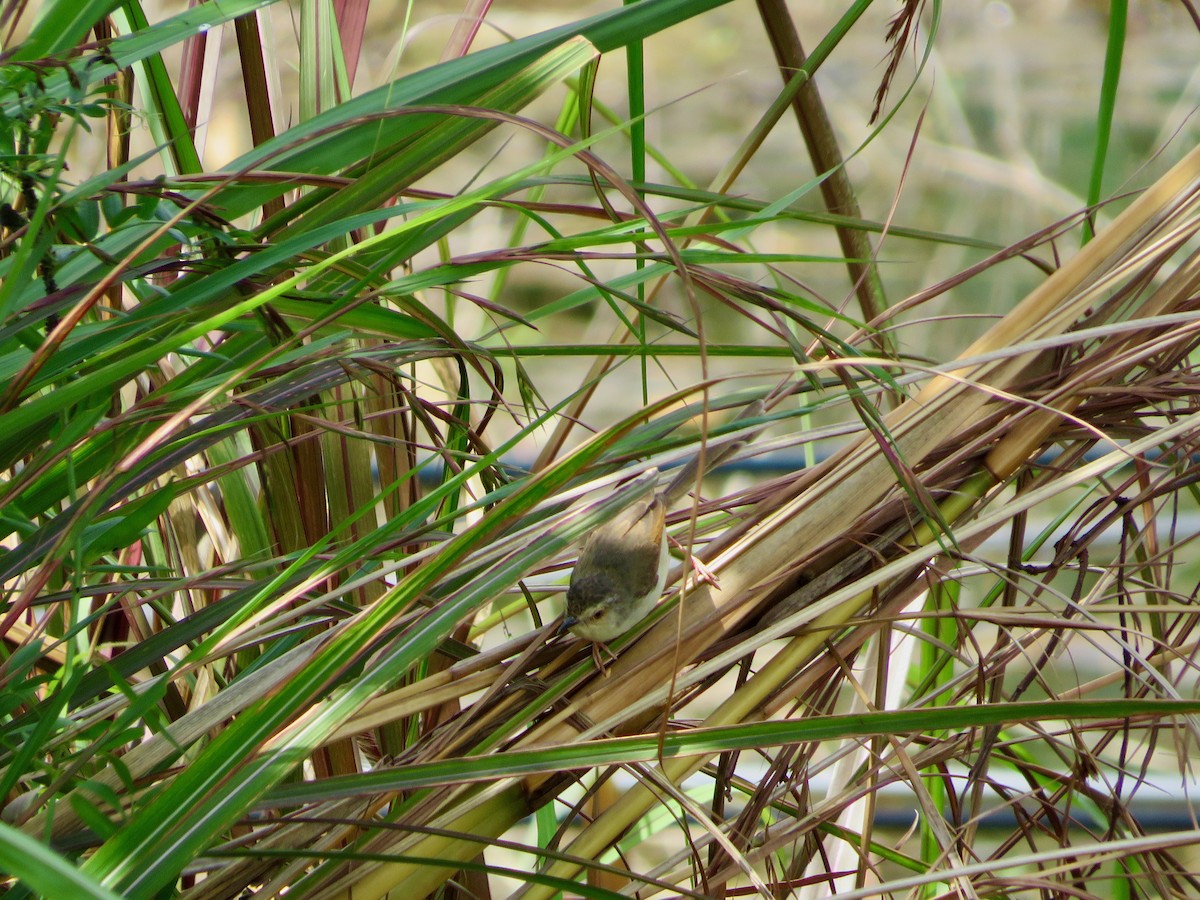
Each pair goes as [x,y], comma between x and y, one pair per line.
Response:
[597,647]
[704,573]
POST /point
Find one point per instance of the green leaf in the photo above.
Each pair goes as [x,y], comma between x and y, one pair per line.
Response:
[709,741]
[61,25]
[44,870]
[127,524]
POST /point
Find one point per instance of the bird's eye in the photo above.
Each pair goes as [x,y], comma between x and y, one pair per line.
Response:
[597,614]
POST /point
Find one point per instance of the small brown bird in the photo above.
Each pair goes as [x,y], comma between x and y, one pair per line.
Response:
[622,567]
[620,573]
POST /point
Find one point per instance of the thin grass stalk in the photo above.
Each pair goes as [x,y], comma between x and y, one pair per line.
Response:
[823,150]
[1118,17]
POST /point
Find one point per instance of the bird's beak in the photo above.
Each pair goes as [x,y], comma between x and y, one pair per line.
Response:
[568,623]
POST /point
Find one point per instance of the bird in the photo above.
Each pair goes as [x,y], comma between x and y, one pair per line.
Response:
[622,567]
[621,572]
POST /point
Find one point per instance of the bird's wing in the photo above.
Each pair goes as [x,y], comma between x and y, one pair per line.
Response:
[630,546]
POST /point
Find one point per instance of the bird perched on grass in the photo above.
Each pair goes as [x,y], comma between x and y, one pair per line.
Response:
[622,567]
